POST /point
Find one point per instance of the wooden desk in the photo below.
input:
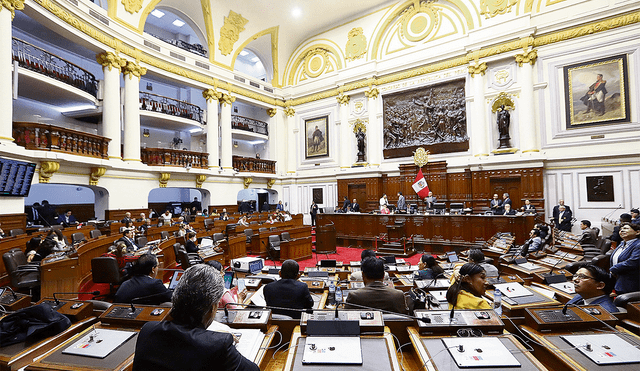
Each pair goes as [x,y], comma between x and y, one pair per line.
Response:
[517,310]
[297,249]
[379,354]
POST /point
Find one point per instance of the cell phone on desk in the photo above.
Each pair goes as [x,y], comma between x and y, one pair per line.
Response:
[241,284]
[228,279]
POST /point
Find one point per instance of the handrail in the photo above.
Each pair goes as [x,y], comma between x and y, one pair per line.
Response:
[192,48]
[170,106]
[255,165]
[249,124]
[36,136]
[174,157]
[39,60]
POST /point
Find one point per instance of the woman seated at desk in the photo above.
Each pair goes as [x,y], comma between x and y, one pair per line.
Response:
[467,290]
[428,268]
[230,295]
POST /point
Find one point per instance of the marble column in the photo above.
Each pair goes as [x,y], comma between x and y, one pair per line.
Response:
[226,145]
[213,101]
[132,73]
[276,139]
[347,138]
[526,114]
[481,133]
[110,128]
[292,135]
[7,12]
[374,129]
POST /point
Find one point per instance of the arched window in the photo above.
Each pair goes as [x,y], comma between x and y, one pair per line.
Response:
[250,64]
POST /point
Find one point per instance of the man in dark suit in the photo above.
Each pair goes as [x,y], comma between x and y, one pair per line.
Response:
[563,222]
[430,200]
[127,218]
[127,238]
[375,294]
[496,205]
[615,235]
[288,292]
[33,213]
[48,213]
[402,203]
[355,207]
[67,219]
[144,284]
[556,210]
[635,216]
[184,343]
[192,243]
[506,201]
[593,286]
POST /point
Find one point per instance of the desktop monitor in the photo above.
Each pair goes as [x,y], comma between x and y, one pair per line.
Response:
[328,263]
[439,208]
[452,257]
[389,259]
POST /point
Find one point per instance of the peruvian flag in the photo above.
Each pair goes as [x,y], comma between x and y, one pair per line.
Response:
[420,185]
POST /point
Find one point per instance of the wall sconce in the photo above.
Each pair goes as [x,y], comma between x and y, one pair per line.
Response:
[235,144]
[145,133]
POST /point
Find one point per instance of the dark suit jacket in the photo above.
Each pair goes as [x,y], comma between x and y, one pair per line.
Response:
[603,301]
[131,246]
[564,223]
[511,212]
[288,293]
[379,296]
[556,211]
[63,220]
[190,246]
[126,220]
[355,207]
[169,346]
[139,286]
[628,268]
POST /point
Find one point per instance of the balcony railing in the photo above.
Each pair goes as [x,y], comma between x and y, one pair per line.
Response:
[192,48]
[39,60]
[54,138]
[174,157]
[255,165]
[247,124]
[170,106]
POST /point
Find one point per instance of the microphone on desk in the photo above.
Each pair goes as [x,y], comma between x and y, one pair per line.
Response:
[15,297]
[141,298]
[425,320]
[94,293]
[611,213]
[555,278]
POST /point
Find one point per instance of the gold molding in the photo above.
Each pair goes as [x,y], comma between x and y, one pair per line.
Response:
[227,99]
[164,179]
[247,181]
[200,179]
[230,31]
[421,157]
[208,25]
[272,111]
[527,57]
[356,44]
[289,111]
[47,169]
[96,174]
[273,31]
[491,8]
[372,93]
[108,59]
[478,69]
[343,99]
[503,99]
[360,124]
[132,6]
[12,6]
[270,183]
[133,69]
[211,94]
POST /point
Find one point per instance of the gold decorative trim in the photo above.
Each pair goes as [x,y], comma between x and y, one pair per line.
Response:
[132,6]
[421,157]
[270,183]
[200,179]
[96,174]
[372,93]
[360,124]
[356,44]
[208,25]
[527,57]
[12,6]
[133,69]
[132,159]
[491,8]
[230,31]
[247,181]
[108,59]
[343,99]
[275,81]
[9,139]
[211,94]
[115,157]
[503,99]
[531,150]
[289,111]
[478,69]
[164,179]
[47,169]
[272,111]
[227,99]
[503,151]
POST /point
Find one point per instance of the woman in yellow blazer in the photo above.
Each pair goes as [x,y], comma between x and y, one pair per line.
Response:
[467,289]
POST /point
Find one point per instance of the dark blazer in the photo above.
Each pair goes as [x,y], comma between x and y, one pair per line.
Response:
[511,212]
[604,301]
[628,268]
[288,293]
[131,246]
[379,296]
[556,211]
[190,246]
[496,206]
[169,346]
[140,286]
[564,223]
[126,220]
[355,207]
[63,220]
[345,205]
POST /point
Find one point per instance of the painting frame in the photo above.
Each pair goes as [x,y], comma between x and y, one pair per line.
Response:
[316,145]
[597,92]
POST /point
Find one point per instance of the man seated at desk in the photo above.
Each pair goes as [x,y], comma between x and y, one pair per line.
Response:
[375,294]
[67,219]
[143,284]
[533,244]
[184,343]
[127,238]
[593,286]
[367,253]
[288,292]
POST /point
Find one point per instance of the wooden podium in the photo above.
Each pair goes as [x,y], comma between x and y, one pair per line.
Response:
[326,239]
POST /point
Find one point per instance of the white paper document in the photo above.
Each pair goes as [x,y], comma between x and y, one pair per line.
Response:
[513,290]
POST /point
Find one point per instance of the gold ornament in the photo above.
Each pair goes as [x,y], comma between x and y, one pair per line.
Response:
[527,57]
[289,111]
[132,6]
[491,8]
[272,111]
[200,180]
[228,99]
[47,169]
[270,183]
[478,69]
[211,95]
[247,181]
[356,45]
[316,62]
[372,93]
[343,98]
[421,157]
[12,6]
[164,179]
[108,59]
[503,99]
[230,31]
[359,124]
[133,69]
[96,174]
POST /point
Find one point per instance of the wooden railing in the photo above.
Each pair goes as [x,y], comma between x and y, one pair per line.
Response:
[174,157]
[170,106]
[254,165]
[249,124]
[33,135]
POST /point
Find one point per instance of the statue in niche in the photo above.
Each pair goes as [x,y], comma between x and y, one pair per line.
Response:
[504,120]
[360,137]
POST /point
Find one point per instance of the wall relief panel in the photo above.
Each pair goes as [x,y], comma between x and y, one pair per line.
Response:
[432,117]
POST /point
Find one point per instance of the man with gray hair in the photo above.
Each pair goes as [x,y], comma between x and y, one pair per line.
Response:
[184,343]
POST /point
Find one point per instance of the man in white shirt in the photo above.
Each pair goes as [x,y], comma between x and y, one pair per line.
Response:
[166,217]
[383,201]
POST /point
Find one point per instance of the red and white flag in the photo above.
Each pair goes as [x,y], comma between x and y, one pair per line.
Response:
[420,185]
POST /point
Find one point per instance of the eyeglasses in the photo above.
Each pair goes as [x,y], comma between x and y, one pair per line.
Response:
[582,277]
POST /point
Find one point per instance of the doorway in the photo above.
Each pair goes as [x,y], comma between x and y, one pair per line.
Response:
[359,192]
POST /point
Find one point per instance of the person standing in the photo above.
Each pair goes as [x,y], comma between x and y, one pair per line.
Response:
[556,210]
[402,204]
[280,206]
[314,212]
[625,260]
[354,206]
[384,201]
[345,204]
[595,96]
[563,222]
[496,205]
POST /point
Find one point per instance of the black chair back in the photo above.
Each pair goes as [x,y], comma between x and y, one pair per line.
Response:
[95,233]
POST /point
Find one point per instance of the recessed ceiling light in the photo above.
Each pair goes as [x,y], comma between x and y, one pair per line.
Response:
[178,23]
[296,12]
[243,53]
[156,13]
[255,59]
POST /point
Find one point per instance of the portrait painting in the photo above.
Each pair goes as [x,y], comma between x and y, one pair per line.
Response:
[317,137]
[596,92]
[600,188]
[317,196]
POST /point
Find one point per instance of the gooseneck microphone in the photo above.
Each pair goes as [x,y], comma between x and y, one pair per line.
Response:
[94,293]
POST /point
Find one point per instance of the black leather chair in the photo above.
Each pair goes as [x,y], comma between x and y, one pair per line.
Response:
[218,236]
[208,224]
[141,241]
[16,232]
[249,233]
[78,237]
[105,269]
[23,276]
[262,230]
[273,229]
[95,233]
[164,235]
[186,259]
[284,236]
[274,248]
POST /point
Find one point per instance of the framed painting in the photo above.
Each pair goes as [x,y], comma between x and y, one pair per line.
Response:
[596,92]
[600,188]
[317,137]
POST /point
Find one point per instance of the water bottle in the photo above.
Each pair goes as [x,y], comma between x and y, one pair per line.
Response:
[338,295]
[332,292]
[497,302]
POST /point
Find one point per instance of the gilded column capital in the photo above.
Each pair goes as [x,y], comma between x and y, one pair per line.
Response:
[12,6]
[228,99]
[479,68]
[200,180]
[164,179]
[289,111]
[111,60]
[133,69]
[96,174]
[527,57]
[272,111]
[47,169]
[270,183]
[211,94]
[343,98]
[247,181]
[372,93]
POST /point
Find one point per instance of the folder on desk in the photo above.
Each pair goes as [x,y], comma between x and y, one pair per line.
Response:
[480,352]
[332,342]
[99,343]
[513,290]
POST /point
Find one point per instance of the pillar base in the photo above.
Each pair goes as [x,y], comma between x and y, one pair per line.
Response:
[504,151]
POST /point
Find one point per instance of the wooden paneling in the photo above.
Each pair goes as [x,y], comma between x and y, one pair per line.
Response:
[119,214]
[13,221]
